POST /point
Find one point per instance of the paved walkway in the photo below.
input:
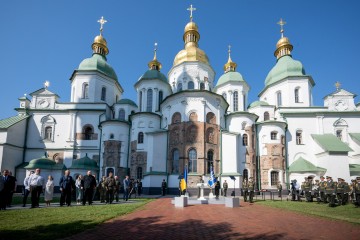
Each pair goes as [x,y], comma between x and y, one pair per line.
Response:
[161,220]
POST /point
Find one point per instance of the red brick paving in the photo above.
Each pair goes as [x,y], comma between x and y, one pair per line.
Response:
[161,220]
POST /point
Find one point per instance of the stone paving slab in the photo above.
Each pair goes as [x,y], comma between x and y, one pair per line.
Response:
[161,220]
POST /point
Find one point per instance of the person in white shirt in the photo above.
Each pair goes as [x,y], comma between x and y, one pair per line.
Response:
[37,186]
[26,188]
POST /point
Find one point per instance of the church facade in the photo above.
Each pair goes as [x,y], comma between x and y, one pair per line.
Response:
[187,119]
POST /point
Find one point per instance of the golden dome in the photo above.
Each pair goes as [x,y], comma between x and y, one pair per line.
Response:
[230,66]
[100,39]
[189,54]
[100,45]
[283,47]
[191,26]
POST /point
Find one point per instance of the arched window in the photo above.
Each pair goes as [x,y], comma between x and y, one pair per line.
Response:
[85,93]
[160,98]
[191,85]
[48,133]
[210,118]
[299,139]
[192,161]
[273,135]
[266,116]
[193,117]
[236,101]
[192,133]
[103,93]
[278,99]
[141,137]
[88,131]
[339,134]
[176,118]
[245,140]
[139,173]
[121,114]
[140,100]
[202,86]
[175,162]
[116,98]
[274,178]
[210,160]
[111,136]
[224,96]
[179,87]
[245,174]
[149,100]
[243,125]
[296,95]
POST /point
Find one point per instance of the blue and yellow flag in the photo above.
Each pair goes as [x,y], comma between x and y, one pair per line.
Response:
[183,183]
[212,179]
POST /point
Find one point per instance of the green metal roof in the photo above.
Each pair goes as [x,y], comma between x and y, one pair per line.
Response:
[45,163]
[354,169]
[230,77]
[127,101]
[98,63]
[85,163]
[355,136]
[286,66]
[303,166]
[258,103]
[8,122]
[331,143]
[153,74]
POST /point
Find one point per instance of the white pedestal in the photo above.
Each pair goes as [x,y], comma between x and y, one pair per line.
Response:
[211,195]
[181,201]
[201,186]
[232,202]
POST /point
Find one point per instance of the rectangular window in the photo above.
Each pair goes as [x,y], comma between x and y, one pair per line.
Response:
[273,135]
[274,178]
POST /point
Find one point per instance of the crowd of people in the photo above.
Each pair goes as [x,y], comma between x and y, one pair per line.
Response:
[85,188]
[326,190]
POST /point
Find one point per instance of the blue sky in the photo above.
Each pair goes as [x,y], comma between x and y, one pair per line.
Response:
[46,40]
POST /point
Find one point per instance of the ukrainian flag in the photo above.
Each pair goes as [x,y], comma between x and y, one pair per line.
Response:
[183,182]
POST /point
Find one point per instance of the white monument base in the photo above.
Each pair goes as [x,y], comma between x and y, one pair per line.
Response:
[211,195]
[181,201]
[232,202]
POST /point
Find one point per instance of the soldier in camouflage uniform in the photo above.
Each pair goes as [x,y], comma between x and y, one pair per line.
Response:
[352,190]
[279,188]
[307,187]
[340,191]
[346,193]
[110,185]
[316,189]
[357,192]
[322,186]
[330,191]
[245,189]
[251,189]
[102,189]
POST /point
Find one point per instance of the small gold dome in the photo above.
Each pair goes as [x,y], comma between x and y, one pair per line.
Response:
[189,54]
[191,26]
[282,42]
[99,39]
[283,47]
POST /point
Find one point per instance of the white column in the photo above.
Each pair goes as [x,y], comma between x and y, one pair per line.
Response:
[231,103]
[155,102]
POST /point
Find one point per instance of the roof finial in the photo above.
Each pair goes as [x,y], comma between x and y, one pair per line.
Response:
[229,51]
[337,85]
[191,9]
[155,49]
[281,23]
[102,21]
[46,84]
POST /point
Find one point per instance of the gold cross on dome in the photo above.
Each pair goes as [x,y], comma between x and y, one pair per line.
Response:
[191,9]
[281,23]
[229,51]
[337,85]
[102,21]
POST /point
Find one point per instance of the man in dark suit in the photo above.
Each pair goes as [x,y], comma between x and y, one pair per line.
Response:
[2,199]
[8,188]
[66,185]
[88,184]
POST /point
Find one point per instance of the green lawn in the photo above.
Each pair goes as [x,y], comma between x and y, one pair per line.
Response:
[55,223]
[346,213]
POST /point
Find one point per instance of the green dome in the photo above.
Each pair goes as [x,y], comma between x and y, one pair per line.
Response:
[85,163]
[127,101]
[44,163]
[98,63]
[286,66]
[258,103]
[230,77]
[153,74]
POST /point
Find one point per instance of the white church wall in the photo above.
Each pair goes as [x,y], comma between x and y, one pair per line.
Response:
[16,134]
[156,152]
[229,153]
[337,166]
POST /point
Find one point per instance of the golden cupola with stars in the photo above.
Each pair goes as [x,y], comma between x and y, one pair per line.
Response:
[191,51]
